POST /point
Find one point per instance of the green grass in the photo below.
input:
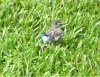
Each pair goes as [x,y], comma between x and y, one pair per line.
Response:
[76,54]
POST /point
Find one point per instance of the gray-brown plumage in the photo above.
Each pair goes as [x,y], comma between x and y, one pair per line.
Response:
[55,32]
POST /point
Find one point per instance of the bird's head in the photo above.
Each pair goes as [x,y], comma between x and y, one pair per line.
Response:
[56,23]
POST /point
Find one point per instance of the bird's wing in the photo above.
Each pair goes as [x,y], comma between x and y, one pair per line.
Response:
[50,31]
[53,32]
[59,32]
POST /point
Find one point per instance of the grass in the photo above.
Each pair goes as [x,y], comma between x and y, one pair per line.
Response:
[76,54]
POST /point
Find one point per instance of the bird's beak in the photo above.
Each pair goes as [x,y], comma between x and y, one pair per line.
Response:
[62,23]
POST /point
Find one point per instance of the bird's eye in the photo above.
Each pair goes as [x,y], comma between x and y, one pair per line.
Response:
[56,23]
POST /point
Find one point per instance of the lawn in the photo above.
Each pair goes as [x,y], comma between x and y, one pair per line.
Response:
[77,53]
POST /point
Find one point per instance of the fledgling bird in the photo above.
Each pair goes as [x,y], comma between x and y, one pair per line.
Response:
[53,33]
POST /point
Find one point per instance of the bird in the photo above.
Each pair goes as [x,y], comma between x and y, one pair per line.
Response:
[52,33]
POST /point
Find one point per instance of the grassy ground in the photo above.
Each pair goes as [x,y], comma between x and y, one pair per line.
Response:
[76,54]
